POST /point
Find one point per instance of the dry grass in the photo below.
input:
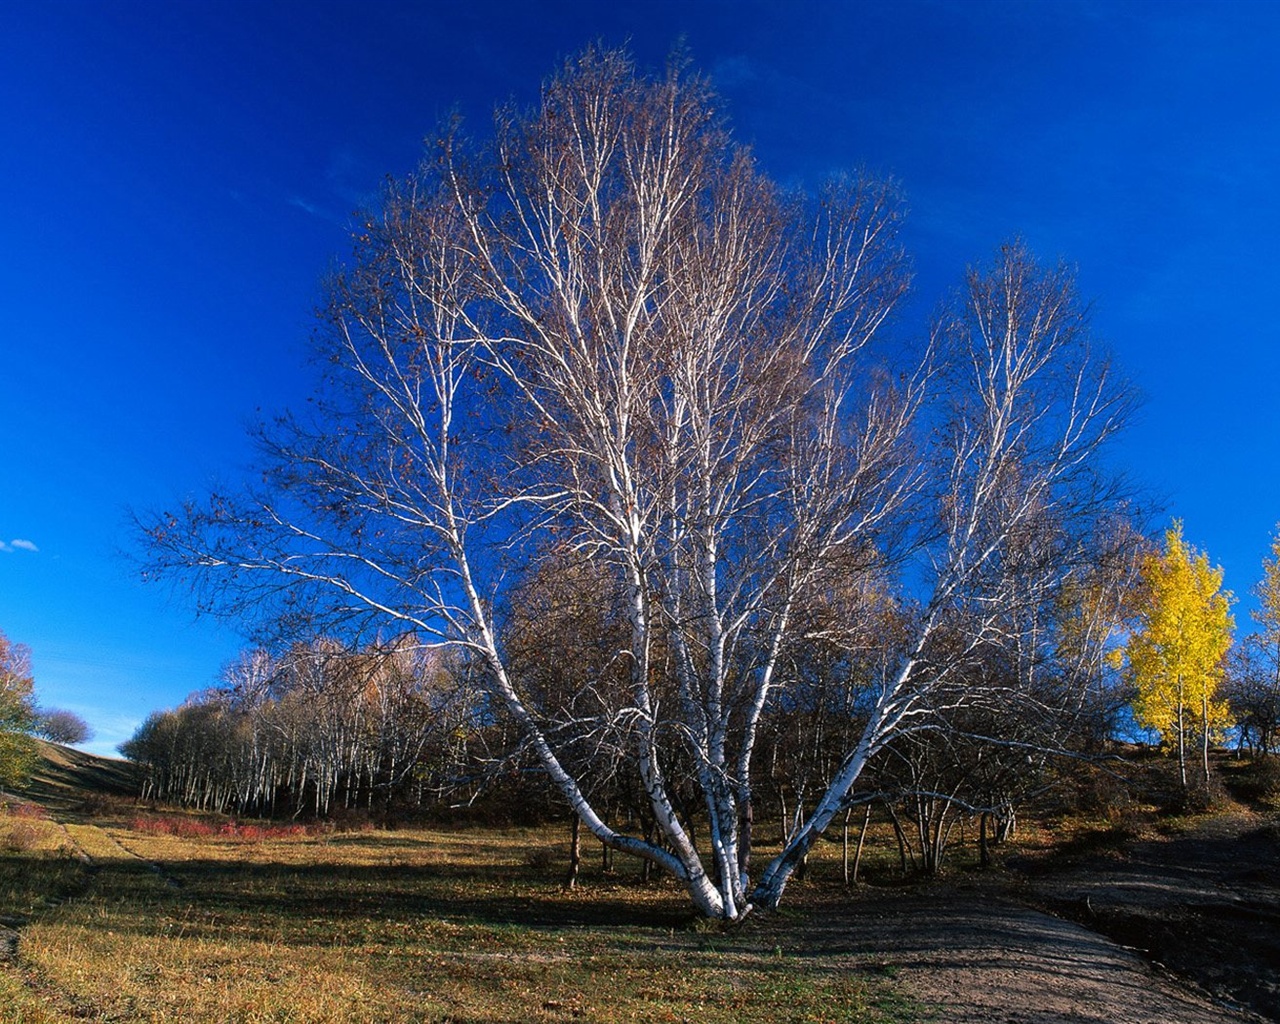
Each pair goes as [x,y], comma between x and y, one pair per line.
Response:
[393,927]
[126,916]
[39,866]
[65,779]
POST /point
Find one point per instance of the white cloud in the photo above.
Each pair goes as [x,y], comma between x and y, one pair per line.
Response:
[316,210]
[23,545]
[302,204]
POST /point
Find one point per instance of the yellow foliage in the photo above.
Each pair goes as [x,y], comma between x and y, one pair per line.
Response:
[1267,591]
[1176,655]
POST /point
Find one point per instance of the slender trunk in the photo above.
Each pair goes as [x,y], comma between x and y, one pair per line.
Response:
[844,846]
[1007,823]
[903,848]
[575,853]
[922,834]
[862,841]
[941,832]
[606,851]
[1182,739]
[862,838]
[646,865]
[1204,731]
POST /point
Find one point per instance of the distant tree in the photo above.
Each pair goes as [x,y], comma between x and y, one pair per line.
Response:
[1090,631]
[1176,654]
[61,726]
[17,712]
[1252,691]
[1253,675]
[320,728]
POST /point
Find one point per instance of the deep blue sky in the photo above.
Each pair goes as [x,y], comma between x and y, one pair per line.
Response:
[175,178]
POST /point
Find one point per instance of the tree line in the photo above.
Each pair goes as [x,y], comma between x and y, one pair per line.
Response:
[401,728]
[1193,682]
[398,730]
[316,730]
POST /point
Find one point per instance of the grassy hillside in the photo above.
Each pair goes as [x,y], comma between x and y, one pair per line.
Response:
[66,779]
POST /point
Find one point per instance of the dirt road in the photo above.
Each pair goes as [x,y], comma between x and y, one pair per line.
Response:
[985,960]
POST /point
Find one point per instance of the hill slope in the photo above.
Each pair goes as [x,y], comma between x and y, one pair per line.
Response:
[65,777]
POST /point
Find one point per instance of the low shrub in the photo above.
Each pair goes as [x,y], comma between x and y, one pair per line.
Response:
[23,809]
[1201,797]
[1096,790]
[197,828]
[540,858]
[256,833]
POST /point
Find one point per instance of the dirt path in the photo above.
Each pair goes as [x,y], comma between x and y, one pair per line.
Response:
[1179,925]
[1203,902]
[984,960]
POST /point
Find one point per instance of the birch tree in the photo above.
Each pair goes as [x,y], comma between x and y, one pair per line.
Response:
[605,331]
[1177,653]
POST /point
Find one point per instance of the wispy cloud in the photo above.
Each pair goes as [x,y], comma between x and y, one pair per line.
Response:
[18,545]
[316,210]
[302,204]
[731,72]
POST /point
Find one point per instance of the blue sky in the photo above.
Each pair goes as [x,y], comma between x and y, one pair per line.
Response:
[176,177]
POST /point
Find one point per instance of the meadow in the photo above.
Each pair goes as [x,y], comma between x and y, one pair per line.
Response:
[161,917]
[111,910]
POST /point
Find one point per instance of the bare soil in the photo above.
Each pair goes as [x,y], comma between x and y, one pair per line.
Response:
[1178,924]
[980,958]
[1202,902]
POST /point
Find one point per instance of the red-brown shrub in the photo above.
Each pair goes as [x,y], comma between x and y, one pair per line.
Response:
[196,828]
[22,809]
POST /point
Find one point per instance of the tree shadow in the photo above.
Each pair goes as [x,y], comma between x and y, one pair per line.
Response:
[272,893]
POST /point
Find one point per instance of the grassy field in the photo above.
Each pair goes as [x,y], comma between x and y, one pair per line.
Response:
[130,918]
[121,914]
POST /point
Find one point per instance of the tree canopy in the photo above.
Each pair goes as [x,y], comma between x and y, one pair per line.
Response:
[600,355]
[62,726]
[1177,653]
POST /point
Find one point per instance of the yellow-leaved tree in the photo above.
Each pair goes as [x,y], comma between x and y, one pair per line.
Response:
[1176,654]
